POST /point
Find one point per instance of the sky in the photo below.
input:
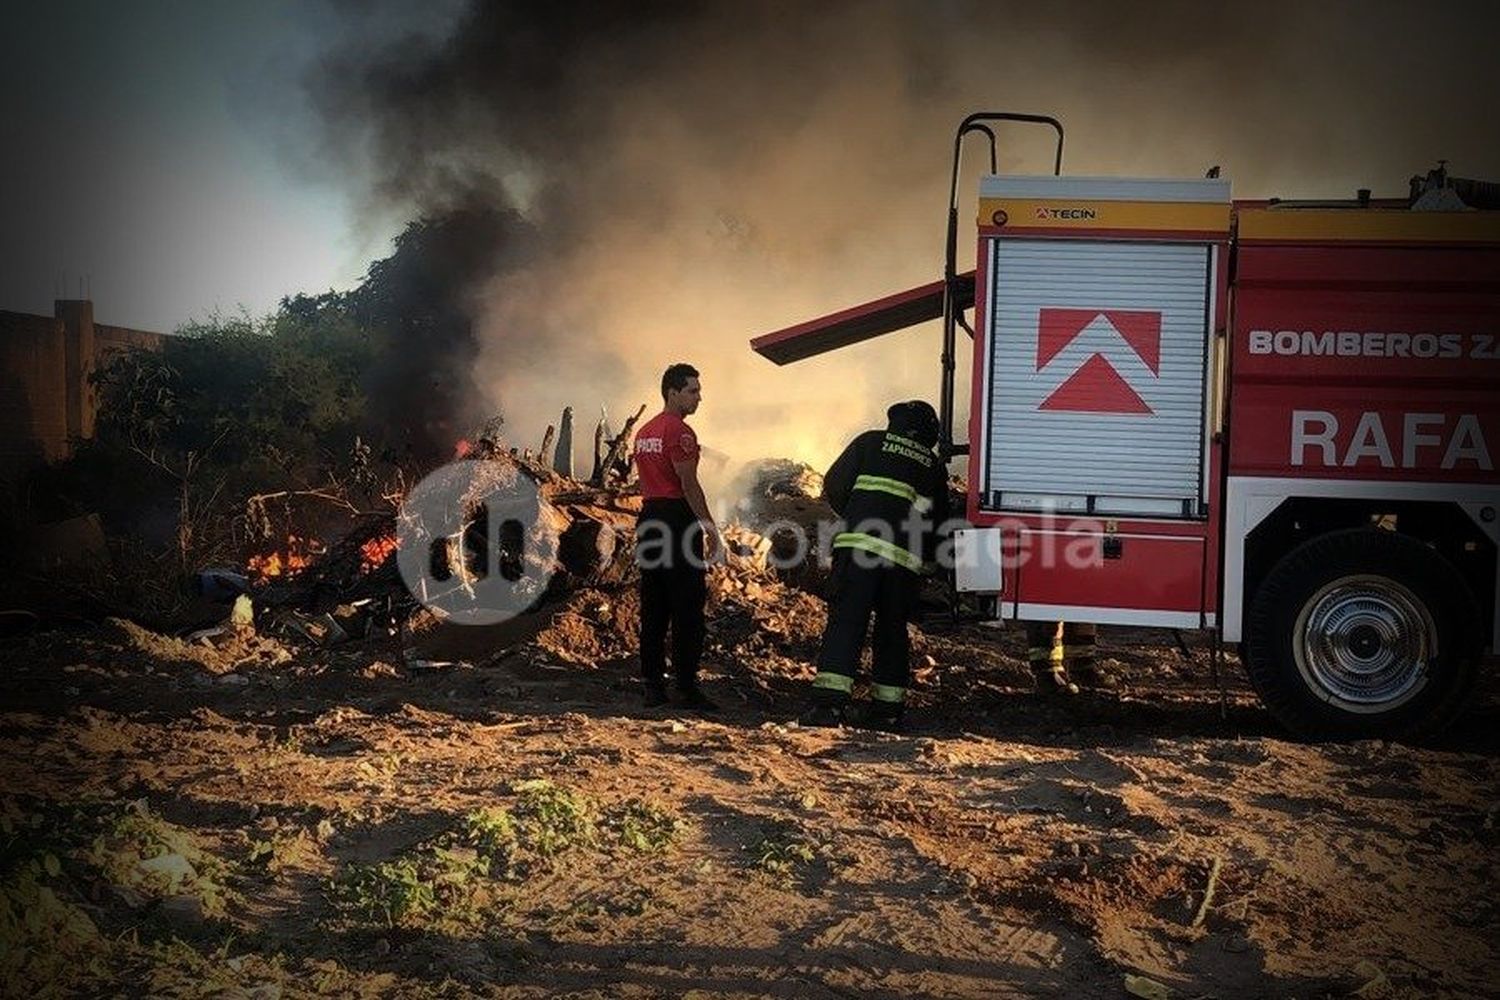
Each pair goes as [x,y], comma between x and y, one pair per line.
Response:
[156,155]
[693,174]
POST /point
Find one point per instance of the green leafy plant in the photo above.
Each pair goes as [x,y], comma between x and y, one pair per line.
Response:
[782,851]
[47,941]
[391,892]
[43,937]
[431,884]
[281,851]
[549,820]
[451,878]
[447,879]
[262,852]
[648,827]
[490,831]
[143,852]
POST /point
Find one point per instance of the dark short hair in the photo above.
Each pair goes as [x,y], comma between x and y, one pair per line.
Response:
[676,377]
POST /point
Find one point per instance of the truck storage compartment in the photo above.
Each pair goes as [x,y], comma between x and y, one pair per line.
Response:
[1098,312]
[1125,579]
[1097,375]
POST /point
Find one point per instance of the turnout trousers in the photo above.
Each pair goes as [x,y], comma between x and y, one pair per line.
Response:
[890,593]
[1057,647]
[669,555]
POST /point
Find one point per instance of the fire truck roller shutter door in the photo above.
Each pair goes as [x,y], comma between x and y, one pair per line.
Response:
[1097,372]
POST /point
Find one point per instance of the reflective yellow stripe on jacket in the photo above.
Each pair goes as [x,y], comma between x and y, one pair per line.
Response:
[896,488]
[882,484]
[879,547]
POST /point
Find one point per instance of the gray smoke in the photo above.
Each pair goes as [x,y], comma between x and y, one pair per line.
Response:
[697,173]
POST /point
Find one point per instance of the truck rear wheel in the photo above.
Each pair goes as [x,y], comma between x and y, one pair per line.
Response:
[1362,633]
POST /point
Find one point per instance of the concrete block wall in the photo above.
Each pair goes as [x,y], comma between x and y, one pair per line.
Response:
[33,391]
[47,400]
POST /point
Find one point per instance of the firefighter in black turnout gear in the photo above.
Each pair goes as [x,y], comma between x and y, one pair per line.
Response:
[891,491]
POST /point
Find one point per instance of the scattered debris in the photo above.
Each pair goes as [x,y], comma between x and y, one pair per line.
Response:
[1208,892]
[611,463]
[562,462]
[221,584]
[1373,978]
[1146,989]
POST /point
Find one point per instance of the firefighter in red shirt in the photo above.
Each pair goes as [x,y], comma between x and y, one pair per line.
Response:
[675,539]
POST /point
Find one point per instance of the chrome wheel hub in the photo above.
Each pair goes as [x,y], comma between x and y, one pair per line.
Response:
[1364,643]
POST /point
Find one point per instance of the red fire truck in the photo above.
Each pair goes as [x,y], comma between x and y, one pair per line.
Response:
[1276,420]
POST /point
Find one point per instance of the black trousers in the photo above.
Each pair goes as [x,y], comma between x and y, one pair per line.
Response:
[891,593]
[669,554]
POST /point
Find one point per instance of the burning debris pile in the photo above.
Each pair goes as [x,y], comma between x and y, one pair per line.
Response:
[577,557]
[779,491]
[295,555]
[759,627]
[783,500]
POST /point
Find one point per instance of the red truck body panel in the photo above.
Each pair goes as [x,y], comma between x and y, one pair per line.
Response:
[1366,362]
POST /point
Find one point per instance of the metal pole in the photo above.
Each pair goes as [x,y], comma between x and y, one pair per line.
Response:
[951,310]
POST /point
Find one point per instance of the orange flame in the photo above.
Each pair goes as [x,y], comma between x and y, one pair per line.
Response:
[375,551]
[297,554]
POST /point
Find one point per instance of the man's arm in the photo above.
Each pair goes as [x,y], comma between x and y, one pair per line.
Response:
[838,482]
[692,492]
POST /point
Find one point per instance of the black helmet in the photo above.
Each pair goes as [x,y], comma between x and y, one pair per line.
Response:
[916,419]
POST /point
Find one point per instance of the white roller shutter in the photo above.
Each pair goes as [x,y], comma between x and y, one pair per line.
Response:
[1096,377]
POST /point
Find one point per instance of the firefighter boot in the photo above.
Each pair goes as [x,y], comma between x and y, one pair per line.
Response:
[1044,651]
[1079,639]
[1054,681]
[694,698]
[1089,674]
[831,694]
[828,710]
[883,716]
[656,694]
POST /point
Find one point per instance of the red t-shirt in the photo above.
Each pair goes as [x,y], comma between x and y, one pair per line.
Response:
[664,439]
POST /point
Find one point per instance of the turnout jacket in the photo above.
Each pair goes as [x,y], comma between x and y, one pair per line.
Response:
[892,494]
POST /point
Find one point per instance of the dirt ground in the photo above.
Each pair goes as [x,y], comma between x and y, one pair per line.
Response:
[441,813]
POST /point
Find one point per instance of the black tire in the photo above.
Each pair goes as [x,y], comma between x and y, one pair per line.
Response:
[1322,683]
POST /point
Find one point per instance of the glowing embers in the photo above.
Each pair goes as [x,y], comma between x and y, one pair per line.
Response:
[296,554]
[373,552]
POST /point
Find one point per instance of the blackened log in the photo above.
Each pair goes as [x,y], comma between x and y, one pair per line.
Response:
[544,456]
[617,448]
[563,461]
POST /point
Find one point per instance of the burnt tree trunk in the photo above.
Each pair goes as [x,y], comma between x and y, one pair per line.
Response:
[616,449]
[544,456]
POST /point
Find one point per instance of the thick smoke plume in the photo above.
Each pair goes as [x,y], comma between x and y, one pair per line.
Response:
[694,174]
[422,301]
